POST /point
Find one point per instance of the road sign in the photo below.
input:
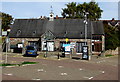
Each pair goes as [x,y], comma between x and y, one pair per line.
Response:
[4,33]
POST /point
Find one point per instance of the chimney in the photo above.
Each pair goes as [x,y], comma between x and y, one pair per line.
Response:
[57,17]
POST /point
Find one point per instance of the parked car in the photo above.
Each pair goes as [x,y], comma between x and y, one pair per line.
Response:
[31,50]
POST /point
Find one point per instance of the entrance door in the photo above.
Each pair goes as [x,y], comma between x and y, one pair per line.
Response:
[50,46]
[98,46]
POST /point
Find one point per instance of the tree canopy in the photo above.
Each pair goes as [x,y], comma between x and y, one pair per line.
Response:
[6,20]
[75,10]
[112,37]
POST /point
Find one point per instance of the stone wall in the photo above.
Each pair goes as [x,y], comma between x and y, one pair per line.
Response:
[112,52]
[14,41]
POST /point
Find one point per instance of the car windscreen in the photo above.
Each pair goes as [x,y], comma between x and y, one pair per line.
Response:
[30,48]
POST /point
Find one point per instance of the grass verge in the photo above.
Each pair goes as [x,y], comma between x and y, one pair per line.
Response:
[8,64]
[18,64]
[29,63]
[109,55]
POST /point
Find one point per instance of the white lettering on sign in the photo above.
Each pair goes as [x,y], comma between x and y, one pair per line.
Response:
[4,33]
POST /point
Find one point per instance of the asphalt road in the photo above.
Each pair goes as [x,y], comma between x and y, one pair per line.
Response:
[64,69]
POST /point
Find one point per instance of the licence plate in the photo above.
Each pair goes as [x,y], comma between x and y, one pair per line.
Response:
[29,52]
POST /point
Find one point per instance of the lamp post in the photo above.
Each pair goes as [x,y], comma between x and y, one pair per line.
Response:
[85,49]
[85,21]
[6,49]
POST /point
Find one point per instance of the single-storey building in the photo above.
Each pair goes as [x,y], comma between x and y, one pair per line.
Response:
[53,34]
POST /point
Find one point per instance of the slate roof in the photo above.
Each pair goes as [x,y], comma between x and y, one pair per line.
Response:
[61,28]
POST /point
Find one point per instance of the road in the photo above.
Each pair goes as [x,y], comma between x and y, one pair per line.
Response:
[65,69]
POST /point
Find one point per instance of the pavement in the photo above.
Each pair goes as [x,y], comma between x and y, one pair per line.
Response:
[51,68]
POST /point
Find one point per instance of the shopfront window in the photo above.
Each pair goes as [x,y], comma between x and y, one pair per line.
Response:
[79,46]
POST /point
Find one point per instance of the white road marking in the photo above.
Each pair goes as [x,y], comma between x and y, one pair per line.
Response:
[24,65]
[90,78]
[64,74]
[40,70]
[60,66]
[36,79]
[80,69]
[102,72]
[101,61]
[10,74]
[10,66]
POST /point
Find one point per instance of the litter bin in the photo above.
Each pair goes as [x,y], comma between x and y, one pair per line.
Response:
[63,52]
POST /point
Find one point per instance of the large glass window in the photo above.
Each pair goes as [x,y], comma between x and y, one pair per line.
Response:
[79,46]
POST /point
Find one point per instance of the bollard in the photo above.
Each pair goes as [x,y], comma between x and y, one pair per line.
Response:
[58,56]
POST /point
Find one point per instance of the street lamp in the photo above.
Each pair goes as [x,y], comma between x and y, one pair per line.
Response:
[85,47]
[85,21]
[7,40]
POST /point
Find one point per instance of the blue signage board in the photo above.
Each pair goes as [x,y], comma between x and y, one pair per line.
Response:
[85,55]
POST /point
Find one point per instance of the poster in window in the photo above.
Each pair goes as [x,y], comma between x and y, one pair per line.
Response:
[85,53]
[20,45]
[67,47]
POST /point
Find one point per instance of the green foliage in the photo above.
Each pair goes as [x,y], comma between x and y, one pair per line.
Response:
[74,10]
[29,62]
[0,40]
[6,20]
[109,55]
[112,40]
[7,64]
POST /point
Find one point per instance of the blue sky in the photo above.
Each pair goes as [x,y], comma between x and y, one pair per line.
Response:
[37,9]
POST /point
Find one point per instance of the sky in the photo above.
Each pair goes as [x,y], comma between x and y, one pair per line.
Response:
[35,9]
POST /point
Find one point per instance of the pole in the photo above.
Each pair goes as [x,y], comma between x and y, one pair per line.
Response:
[85,21]
[23,47]
[91,39]
[6,50]
[46,50]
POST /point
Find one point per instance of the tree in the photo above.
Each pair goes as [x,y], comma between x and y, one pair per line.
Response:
[74,10]
[6,20]
[70,10]
[112,37]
